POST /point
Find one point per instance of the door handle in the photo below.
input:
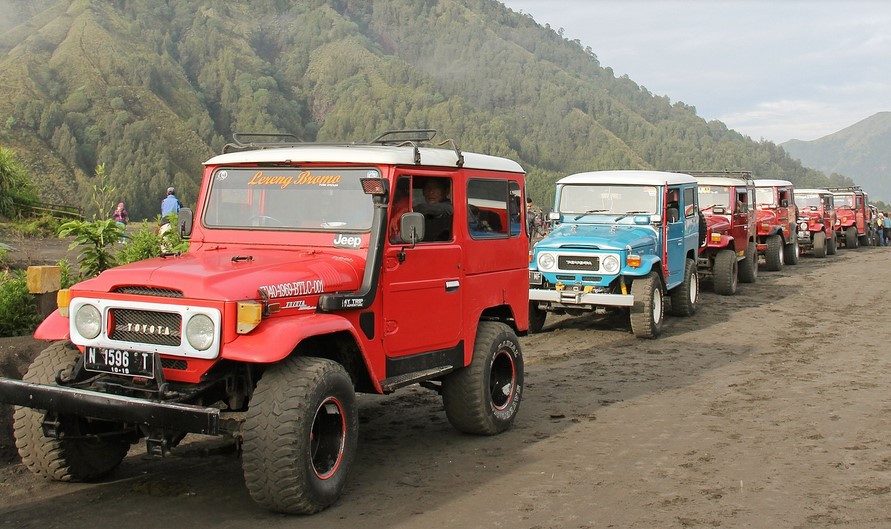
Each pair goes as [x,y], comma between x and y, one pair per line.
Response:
[452,286]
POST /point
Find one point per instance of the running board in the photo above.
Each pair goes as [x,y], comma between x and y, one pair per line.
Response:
[389,385]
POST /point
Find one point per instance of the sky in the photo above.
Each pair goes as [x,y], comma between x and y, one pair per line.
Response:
[772,70]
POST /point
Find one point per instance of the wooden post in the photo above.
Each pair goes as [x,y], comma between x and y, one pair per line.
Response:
[44,282]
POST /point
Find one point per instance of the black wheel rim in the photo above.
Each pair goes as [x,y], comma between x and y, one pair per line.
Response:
[502,379]
[327,438]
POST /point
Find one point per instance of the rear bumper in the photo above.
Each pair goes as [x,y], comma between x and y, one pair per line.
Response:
[169,416]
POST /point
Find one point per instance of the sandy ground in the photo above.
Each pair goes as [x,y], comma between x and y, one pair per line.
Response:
[768,409]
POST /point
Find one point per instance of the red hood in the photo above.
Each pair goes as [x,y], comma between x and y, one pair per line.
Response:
[214,275]
[846,215]
[718,223]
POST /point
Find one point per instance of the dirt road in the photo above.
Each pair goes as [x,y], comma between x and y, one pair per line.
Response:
[767,409]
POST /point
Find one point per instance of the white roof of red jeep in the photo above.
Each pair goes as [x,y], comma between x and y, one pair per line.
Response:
[721,181]
[630,177]
[365,154]
[813,192]
[766,182]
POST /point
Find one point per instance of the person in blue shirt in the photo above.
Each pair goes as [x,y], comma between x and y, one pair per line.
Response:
[169,205]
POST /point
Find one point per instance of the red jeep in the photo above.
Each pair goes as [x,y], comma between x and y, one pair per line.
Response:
[816,221]
[777,220]
[851,208]
[729,252]
[314,271]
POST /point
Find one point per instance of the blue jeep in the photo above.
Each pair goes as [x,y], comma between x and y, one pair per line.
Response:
[621,239]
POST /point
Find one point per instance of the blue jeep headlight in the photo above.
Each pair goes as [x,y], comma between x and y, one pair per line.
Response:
[610,264]
[547,261]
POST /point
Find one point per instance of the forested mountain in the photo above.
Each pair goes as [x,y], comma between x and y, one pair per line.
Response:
[861,151]
[152,88]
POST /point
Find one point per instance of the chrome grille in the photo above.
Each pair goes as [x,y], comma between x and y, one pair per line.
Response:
[170,363]
[144,326]
[575,262]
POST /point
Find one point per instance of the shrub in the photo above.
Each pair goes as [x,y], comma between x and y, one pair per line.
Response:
[141,244]
[96,240]
[18,312]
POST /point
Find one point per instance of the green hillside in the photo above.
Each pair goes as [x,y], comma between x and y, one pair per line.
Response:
[859,151]
[151,89]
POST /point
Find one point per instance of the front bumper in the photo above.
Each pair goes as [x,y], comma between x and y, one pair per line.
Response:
[170,416]
[578,297]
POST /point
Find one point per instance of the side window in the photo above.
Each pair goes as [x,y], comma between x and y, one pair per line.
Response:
[488,208]
[431,196]
[515,208]
[742,201]
[689,202]
[673,205]
[399,204]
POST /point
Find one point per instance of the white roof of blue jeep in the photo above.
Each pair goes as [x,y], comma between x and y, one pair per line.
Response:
[766,182]
[365,154]
[628,177]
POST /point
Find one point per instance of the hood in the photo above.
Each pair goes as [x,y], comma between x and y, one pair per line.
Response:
[600,236]
[718,223]
[845,214]
[236,274]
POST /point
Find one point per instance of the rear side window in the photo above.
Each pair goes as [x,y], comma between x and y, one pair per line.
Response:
[492,209]
[689,202]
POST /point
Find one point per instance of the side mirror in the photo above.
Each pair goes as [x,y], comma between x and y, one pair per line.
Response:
[411,227]
[554,215]
[185,219]
[784,203]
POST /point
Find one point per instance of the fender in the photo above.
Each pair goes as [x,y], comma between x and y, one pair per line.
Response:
[275,339]
[725,242]
[54,327]
[647,263]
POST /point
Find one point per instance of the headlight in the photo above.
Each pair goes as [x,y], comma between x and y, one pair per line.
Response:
[610,264]
[88,321]
[803,226]
[200,332]
[546,261]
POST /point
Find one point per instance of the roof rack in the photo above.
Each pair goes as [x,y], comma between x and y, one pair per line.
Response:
[846,188]
[242,141]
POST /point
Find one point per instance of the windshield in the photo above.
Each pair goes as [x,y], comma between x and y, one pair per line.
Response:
[764,195]
[608,199]
[807,201]
[289,198]
[711,196]
[844,201]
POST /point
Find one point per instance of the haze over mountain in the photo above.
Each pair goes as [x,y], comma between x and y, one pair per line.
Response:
[861,151]
[152,88]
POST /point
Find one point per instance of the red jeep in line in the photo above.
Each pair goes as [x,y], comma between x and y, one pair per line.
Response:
[852,210]
[777,221]
[816,221]
[729,252]
[314,271]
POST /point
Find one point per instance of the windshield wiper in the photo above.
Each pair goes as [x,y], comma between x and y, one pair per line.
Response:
[590,211]
[622,216]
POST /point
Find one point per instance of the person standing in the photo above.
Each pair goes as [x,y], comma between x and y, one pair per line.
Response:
[880,229]
[169,205]
[886,228]
[120,215]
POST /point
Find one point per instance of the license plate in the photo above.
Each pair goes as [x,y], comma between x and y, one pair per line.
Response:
[120,362]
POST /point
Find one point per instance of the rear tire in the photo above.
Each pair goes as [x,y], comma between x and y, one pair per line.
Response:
[300,435]
[685,297]
[725,274]
[537,317]
[832,244]
[819,245]
[483,398]
[792,251]
[748,268]
[77,457]
[648,310]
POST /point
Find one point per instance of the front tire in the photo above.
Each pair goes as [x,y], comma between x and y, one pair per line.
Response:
[774,256]
[537,317]
[748,268]
[832,244]
[725,273]
[483,398]
[647,312]
[685,297]
[88,449]
[792,251]
[851,241]
[819,248]
[300,435]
